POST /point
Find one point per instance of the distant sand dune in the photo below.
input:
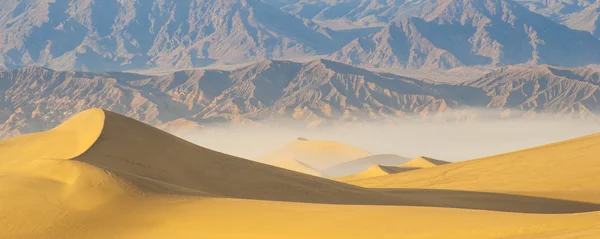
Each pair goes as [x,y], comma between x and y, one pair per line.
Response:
[319,154]
[102,175]
[362,164]
[374,171]
[380,170]
[423,162]
[567,170]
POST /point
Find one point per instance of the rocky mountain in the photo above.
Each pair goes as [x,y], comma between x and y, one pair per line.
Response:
[315,93]
[353,13]
[452,33]
[103,35]
[577,14]
[548,89]
[36,98]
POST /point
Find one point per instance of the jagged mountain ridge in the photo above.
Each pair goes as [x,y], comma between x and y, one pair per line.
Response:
[453,33]
[316,93]
[577,14]
[542,89]
[357,13]
[94,35]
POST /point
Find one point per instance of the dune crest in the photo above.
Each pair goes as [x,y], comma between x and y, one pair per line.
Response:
[79,133]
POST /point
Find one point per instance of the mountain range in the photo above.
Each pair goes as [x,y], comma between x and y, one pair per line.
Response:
[454,33]
[318,92]
[579,14]
[117,35]
[110,35]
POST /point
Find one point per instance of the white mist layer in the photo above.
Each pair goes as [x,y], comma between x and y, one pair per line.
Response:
[442,140]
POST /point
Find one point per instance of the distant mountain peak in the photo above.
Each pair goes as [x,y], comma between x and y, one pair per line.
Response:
[134,35]
[454,33]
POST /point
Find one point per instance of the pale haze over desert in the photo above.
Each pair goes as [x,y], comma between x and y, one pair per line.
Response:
[269,119]
[453,141]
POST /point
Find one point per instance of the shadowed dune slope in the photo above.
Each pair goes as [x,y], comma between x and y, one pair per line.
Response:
[567,170]
[159,162]
[362,164]
[319,154]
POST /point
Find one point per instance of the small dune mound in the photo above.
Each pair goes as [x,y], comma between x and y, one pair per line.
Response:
[374,171]
[379,170]
[362,164]
[295,165]
[423,162]
[319,154]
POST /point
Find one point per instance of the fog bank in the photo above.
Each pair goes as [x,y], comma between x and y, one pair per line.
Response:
[455,141]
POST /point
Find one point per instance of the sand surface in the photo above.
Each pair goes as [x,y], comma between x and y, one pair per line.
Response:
[102,175]
[567,170]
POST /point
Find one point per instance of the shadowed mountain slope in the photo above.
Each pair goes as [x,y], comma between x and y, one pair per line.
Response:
[452,33]
[120,35]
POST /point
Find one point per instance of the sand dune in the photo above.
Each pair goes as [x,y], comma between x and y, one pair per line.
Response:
[157,162]
[379,170]
[295,165]
[423,162]
[362,164]
[102,175]
[374,171]
[319,154]
[566,170]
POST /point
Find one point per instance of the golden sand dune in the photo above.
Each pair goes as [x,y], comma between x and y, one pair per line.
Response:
[101,175]
[379,170]
[295,165]
[362,164]
[567,170]
[374,171]
[319,154]
[423,162]
[155,161]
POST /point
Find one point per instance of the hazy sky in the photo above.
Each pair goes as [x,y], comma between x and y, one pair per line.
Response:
[446,141]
